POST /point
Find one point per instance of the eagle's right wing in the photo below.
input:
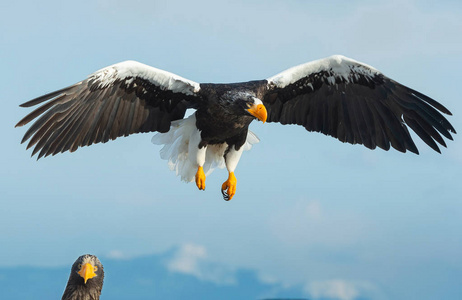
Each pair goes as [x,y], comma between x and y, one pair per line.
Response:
[125,98]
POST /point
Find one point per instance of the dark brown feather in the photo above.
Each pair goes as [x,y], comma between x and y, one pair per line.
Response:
[372,110]
[87,113]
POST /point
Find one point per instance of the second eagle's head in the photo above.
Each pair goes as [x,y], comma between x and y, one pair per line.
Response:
[86,279]
[87,270]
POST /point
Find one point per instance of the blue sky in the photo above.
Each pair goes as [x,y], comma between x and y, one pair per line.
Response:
[340,220]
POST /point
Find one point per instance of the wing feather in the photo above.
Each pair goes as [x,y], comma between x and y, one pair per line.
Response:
[368,132]
[119,100]
[66,138]
[355,103]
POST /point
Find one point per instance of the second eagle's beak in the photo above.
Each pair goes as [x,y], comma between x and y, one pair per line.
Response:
[87,271]
[259,112]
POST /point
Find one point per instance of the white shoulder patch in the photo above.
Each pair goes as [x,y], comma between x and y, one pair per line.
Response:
[161,78]
[336,65]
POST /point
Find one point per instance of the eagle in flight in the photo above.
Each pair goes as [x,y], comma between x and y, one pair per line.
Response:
[336,96]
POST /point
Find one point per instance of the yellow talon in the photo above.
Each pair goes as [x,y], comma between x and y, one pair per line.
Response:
[230,187]
[200,178]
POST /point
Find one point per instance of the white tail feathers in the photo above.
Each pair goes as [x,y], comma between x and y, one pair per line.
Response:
[181,154]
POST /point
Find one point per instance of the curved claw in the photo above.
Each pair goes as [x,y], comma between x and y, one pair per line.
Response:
[200,178]
[230,187]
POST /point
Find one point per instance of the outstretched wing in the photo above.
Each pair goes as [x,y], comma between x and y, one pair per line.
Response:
[355,103]
[119,100]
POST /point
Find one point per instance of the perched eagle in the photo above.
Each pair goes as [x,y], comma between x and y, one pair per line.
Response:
[337,96]
[86,279]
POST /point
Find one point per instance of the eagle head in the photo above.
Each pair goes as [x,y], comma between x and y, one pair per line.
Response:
[246,103]
[86,279]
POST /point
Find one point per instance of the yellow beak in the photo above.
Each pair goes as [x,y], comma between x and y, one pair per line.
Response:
[87,271]
[259,112]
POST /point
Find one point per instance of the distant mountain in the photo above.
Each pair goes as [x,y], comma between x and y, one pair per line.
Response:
[141,278]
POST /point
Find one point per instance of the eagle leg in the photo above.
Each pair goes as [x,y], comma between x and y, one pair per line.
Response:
[228,189]
[200,178]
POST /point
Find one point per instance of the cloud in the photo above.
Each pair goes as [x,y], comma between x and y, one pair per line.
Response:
[308,222]
[187,259]
[337,289]
[192,260]
[267,279]
[117,254]
[313,210]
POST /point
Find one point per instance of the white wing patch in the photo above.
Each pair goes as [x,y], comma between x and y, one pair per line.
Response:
[161,78]
[181,156]
[338,66]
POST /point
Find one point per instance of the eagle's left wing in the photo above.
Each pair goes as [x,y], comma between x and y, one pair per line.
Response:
[355,103]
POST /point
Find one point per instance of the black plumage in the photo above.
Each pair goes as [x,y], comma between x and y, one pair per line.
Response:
[84,114]
[86,279]
[373,111]
[221,114]
[336,96]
